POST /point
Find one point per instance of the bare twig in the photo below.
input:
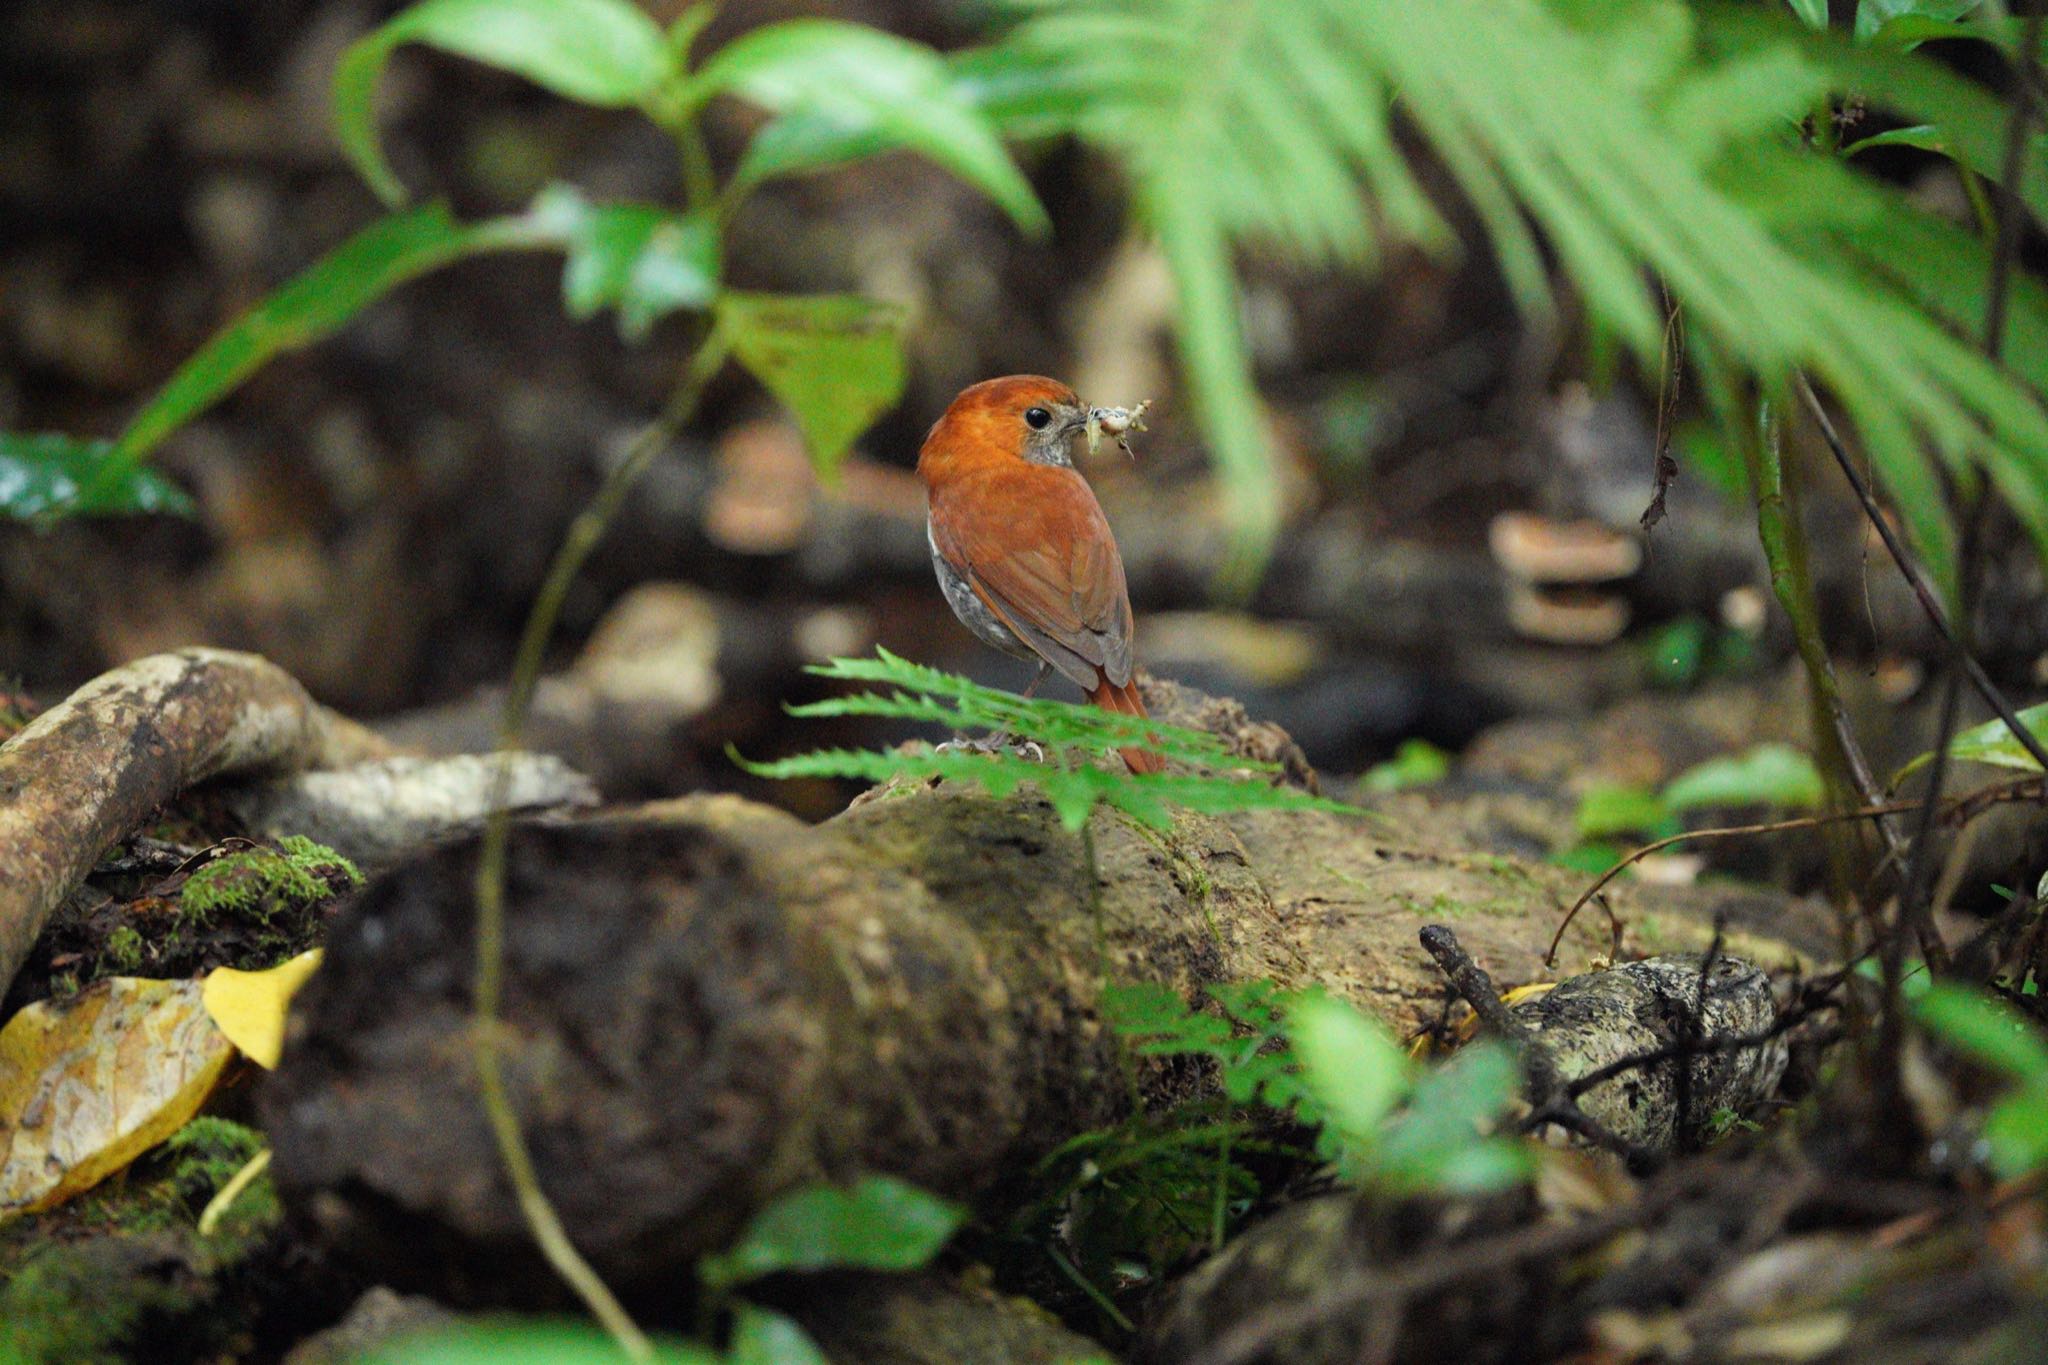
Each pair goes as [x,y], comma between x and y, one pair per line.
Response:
[1815,995]
[1916,579]
[1471,981]
[1918,872]
[1718,832]
[1670,384]
[1687,1027]
[1551,1099]
[1253,1337]
[1958,809]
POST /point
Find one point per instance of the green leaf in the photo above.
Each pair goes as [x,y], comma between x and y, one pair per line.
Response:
[1813,13]
[762,1337]
[602,52]
[1610,808]
[638,258]
[316,303]
[1923,137]
[530,1341]
[1988,1030]
[2017,1131]
[835,361]
[1212,351]
[1267,124]
[1349,1064]
[877,1223]
[1991,743]
[844,86]
[47,474]
[1416,763]
[1437,1144]
[1873,15]
[1767,775]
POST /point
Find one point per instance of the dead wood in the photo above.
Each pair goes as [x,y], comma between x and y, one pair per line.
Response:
[711,1002]
[94,767]
[376,813]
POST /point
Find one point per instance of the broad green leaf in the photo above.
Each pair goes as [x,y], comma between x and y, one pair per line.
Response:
[877,1223]
[1921,136]
[1873,15]
[834,360]
[1437,1143]
[1349,1064]
[1767,775]
[843,86]
[1990,1031]
[2017,1131]
[46,474]
[638,258]
[1991,743]
[602,52]
[328,294]
[529,1341]
[1814,13]
[1612,808]
[762,1337]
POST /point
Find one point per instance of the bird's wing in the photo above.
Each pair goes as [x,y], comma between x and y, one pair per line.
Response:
[1034,545]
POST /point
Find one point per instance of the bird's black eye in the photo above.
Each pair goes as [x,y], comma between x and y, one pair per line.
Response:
[1037,418]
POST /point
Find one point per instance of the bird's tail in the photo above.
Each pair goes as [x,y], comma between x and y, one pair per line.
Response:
[1125,701]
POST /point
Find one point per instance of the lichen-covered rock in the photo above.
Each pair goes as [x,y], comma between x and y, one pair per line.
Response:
[1646,1008]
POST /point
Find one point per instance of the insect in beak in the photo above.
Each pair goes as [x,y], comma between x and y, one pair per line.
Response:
[1116,422]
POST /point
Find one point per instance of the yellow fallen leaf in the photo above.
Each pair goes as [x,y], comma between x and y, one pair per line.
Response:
[249,1007]
[90,1083]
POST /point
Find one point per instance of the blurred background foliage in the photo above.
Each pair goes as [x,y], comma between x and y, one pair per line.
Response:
[1419,265]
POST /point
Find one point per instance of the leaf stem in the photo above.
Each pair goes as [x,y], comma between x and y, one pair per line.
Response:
[489,983]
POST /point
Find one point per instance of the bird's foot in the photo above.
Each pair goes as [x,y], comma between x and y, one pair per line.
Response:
[997,744]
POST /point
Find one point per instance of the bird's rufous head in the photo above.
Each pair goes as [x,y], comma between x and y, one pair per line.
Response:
[1019,417]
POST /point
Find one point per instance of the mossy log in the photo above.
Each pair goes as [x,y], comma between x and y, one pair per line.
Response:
[710,1002]
[91,769]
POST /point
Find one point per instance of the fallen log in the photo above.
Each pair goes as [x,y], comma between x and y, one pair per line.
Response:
[92,768]
[710,1002]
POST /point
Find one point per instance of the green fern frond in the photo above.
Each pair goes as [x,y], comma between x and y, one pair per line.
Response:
[962,704]
[1603,127]
[1072,733]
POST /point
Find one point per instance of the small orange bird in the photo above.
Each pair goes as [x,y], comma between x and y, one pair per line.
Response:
[1023,552]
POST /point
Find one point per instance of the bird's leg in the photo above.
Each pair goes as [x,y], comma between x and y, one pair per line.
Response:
[1002,739]
[1038,679]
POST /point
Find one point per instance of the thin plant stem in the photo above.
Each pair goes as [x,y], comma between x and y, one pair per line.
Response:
[1784,545]
[487,1044]
[1960,808]
[1916,579]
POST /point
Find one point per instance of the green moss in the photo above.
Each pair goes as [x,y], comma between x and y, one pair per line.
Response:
[70,1304]
[260,882]
[123,950]
[122,1274]
[206,1153]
